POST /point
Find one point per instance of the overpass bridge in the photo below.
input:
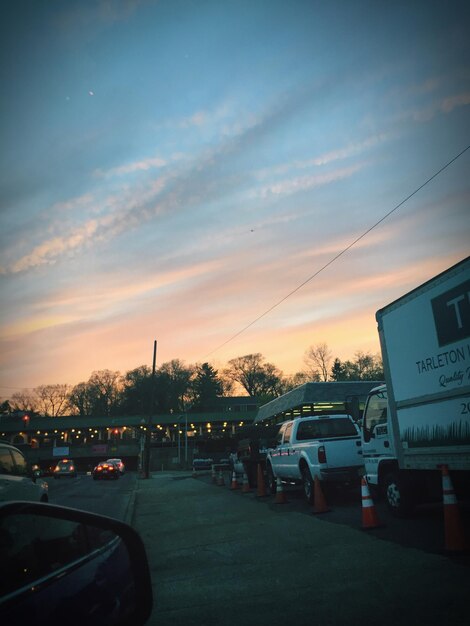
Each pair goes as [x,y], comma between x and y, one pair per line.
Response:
[175,438]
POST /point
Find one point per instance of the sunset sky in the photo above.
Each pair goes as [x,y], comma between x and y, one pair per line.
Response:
[172,170]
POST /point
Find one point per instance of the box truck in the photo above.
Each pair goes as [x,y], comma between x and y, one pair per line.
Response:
[419,421]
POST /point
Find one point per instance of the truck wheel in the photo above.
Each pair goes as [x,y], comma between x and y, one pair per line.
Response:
[308,484]
[272,483]
[396,495]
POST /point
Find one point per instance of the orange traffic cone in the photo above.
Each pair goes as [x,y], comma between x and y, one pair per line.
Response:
[369,514]
[220,479]
[319,505]
[261,487]
[246,484]
[234,484]
[454,533]
[280,497]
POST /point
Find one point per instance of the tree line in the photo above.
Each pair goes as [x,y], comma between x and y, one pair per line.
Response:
[177,387]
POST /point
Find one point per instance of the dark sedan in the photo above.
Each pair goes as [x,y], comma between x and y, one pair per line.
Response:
[106,470]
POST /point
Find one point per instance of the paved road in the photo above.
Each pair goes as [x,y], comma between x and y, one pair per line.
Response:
[105,497]
[222,558]
[424,530]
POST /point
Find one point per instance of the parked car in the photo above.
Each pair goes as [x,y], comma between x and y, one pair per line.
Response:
[17,481]
[48,470]
[202,464]
[65,467]
[106,470]
[119,463]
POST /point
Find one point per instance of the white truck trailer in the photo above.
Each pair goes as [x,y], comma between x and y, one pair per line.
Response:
[420,420]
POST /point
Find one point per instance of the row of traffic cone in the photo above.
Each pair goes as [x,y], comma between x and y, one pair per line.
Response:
[455,540]
[320,505]
[454,533]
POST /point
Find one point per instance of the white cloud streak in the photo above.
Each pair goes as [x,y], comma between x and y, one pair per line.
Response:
[304,183]
[345,152]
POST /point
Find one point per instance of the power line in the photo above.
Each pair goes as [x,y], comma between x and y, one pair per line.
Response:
[337,256]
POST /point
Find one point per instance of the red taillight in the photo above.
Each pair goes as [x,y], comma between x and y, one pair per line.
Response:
[99,468]
[72,468]
[321,454]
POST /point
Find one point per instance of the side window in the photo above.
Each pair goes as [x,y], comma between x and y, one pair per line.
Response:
[287,433]
[279,435]
[20,467]
[376,413]
[6,462]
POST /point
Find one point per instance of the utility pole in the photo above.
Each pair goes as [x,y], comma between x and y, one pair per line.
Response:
[146,459]
[185,440]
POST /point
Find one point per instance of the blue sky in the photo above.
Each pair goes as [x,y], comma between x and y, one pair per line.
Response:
[171,170]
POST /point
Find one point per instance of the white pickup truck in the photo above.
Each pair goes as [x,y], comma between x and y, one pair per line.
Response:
[324,446]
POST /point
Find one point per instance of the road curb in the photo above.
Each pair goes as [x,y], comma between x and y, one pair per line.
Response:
[129,514]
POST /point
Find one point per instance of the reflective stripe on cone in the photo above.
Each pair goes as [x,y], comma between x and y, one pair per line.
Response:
[280,497]
[234,484]
[319,502]
[369,514]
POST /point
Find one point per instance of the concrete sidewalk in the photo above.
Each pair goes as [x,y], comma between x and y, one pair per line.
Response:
[220,557]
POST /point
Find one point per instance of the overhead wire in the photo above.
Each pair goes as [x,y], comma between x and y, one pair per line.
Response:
[340,254]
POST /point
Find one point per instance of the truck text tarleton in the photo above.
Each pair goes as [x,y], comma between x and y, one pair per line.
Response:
[420,420]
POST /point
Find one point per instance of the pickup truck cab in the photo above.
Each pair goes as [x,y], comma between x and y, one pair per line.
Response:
[326,446]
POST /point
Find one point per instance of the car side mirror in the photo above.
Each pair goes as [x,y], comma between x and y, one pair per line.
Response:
[68,566]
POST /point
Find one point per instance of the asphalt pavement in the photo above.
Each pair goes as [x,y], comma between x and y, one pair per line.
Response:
[221,557]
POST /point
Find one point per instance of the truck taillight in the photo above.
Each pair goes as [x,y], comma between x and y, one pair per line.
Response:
[321,454]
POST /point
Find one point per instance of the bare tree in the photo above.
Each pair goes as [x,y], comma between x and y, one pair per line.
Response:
[318,361]
[256,377]
[104,387]
[80,399]
[25,400]
[365,367]
[297,379]
[52,399]
[368,366]
[173,385]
